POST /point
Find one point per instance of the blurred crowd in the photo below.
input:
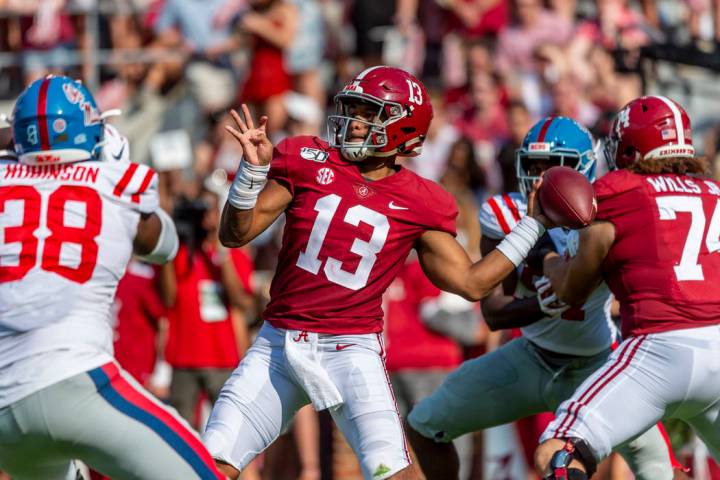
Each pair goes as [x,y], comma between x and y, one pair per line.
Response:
[175,68]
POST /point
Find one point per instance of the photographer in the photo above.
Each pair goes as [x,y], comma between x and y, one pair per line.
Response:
[208,293]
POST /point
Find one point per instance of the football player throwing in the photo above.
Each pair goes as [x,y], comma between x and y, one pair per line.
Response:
[351,218]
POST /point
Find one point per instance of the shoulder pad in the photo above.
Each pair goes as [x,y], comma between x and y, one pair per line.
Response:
[500,213]
[613,183]
[116,148]
[135,184]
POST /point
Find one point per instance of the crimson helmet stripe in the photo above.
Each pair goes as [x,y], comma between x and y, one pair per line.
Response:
[544,129]
[42,114]
[677,117]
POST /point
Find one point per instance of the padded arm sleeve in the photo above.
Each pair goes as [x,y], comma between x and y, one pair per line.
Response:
[168,243]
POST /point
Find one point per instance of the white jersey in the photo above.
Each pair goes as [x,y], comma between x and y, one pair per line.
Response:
[585,331]
[67,236]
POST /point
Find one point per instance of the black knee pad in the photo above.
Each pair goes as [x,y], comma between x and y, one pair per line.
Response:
[574,448]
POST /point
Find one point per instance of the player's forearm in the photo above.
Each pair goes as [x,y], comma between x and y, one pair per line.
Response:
[557,270]
[486,274]
[505,312]
[235,226]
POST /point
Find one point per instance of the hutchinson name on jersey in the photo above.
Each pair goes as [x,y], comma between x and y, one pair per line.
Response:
[68,236]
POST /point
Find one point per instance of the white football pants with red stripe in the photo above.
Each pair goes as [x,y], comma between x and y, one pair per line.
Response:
[261,397]
[672,374]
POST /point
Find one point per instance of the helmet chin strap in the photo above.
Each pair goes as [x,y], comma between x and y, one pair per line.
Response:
[355,153]
[363,152]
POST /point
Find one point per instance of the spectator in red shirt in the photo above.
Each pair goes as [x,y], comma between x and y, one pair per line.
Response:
[138,310]
[208,291]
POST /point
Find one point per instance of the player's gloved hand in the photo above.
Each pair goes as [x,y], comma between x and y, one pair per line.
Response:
[549,303]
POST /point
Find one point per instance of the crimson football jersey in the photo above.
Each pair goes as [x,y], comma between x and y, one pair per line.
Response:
[345,237]
[664,266]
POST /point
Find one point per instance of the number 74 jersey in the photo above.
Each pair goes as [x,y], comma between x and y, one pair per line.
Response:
[67,235]
[345,237]
[664,266]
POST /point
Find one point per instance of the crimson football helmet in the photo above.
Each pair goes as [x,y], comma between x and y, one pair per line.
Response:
[649,127]
[401,123]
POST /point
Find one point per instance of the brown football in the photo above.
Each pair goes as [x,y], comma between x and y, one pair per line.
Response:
[567,197]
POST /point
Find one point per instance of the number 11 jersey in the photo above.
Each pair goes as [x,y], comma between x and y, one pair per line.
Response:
[345,237]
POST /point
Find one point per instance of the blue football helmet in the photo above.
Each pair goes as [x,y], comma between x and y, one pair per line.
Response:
[551,142]
[56,120]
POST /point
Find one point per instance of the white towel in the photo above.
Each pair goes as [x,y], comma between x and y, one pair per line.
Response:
[301,354]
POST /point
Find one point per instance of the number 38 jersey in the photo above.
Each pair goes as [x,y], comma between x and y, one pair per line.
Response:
[664,266]
[345,237]
[67,235]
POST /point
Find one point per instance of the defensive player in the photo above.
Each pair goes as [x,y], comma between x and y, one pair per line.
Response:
[70,223]
[655,242]
[560,346]
[352,216]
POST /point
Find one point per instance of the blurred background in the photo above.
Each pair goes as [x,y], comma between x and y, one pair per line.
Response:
[492,67]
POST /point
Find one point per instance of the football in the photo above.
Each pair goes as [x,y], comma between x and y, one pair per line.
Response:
[567,198]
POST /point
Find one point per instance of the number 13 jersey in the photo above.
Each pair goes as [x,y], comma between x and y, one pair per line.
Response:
[67,236]
[345,237]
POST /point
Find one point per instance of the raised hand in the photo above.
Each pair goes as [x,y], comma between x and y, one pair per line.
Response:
[257,147]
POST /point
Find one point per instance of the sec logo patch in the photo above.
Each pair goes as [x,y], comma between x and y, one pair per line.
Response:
[325,176]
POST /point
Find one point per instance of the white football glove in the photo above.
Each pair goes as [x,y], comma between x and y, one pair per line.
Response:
[549,303]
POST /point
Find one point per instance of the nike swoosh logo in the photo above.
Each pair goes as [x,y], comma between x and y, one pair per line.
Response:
[339,347]
[119,155]
[396,207]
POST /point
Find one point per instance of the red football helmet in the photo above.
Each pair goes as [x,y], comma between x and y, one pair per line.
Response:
[649,127]
[402,120]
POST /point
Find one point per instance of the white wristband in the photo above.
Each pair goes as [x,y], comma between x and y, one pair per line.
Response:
[518,243]
[249,181]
